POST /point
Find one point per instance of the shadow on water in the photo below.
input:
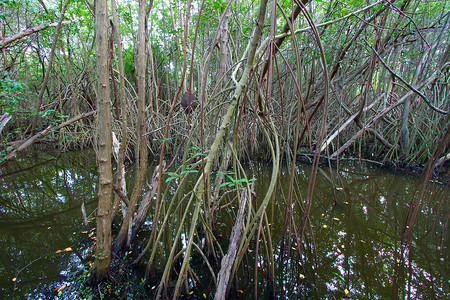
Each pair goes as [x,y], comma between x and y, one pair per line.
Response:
[351,250]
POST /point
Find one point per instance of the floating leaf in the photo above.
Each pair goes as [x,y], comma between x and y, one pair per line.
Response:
[68,249]
[204,295]
[325,226]
[14,279]
[191,292]
[346,292]
[302,276]
[57,251]
[336,219]
[60,288]
[241,291]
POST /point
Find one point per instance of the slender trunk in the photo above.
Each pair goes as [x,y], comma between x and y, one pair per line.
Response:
[124,235]
[103,249]
[123,104]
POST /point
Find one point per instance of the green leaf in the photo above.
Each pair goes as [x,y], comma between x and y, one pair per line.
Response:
[171,178]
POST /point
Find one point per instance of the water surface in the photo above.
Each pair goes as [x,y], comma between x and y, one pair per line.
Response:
[351,248]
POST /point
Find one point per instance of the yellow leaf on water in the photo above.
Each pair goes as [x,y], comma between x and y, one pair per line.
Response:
[14,279]
[68,249]
[325,226]
[191,292]
[346,291]
[336,219]
[90,234]
[302,276]
[57,251]
[204,295]
[241,291]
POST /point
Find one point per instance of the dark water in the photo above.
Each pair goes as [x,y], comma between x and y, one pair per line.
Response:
[350,250]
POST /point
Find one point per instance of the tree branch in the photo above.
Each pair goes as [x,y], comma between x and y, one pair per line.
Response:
[8,40]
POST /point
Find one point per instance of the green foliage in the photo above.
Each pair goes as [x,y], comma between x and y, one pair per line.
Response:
[10,94]
[234,181]
[53,116]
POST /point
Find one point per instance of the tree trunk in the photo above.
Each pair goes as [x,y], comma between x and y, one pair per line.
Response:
[124,235]
[103,249]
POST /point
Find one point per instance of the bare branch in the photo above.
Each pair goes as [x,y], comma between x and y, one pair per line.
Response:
[8,40]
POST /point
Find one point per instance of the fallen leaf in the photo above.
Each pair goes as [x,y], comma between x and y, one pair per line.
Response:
[60,288]
[68,249]
[346,292]
[241,291]
[191,292]
[204,295]
[302,276]
[57,251]
[14,279]
[325,226]
[336,219]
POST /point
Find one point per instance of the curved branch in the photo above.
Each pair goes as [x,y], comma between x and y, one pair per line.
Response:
[407,84]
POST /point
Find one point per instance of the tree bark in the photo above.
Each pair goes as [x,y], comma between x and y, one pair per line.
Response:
[227,262]
[104,143]
[124,235]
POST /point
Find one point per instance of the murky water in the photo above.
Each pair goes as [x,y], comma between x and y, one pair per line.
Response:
[351,248]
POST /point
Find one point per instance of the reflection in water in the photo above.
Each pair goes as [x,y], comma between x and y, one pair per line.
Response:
[40,198]
[351,249]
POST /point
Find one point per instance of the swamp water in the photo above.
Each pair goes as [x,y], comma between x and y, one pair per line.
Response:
[351,250]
